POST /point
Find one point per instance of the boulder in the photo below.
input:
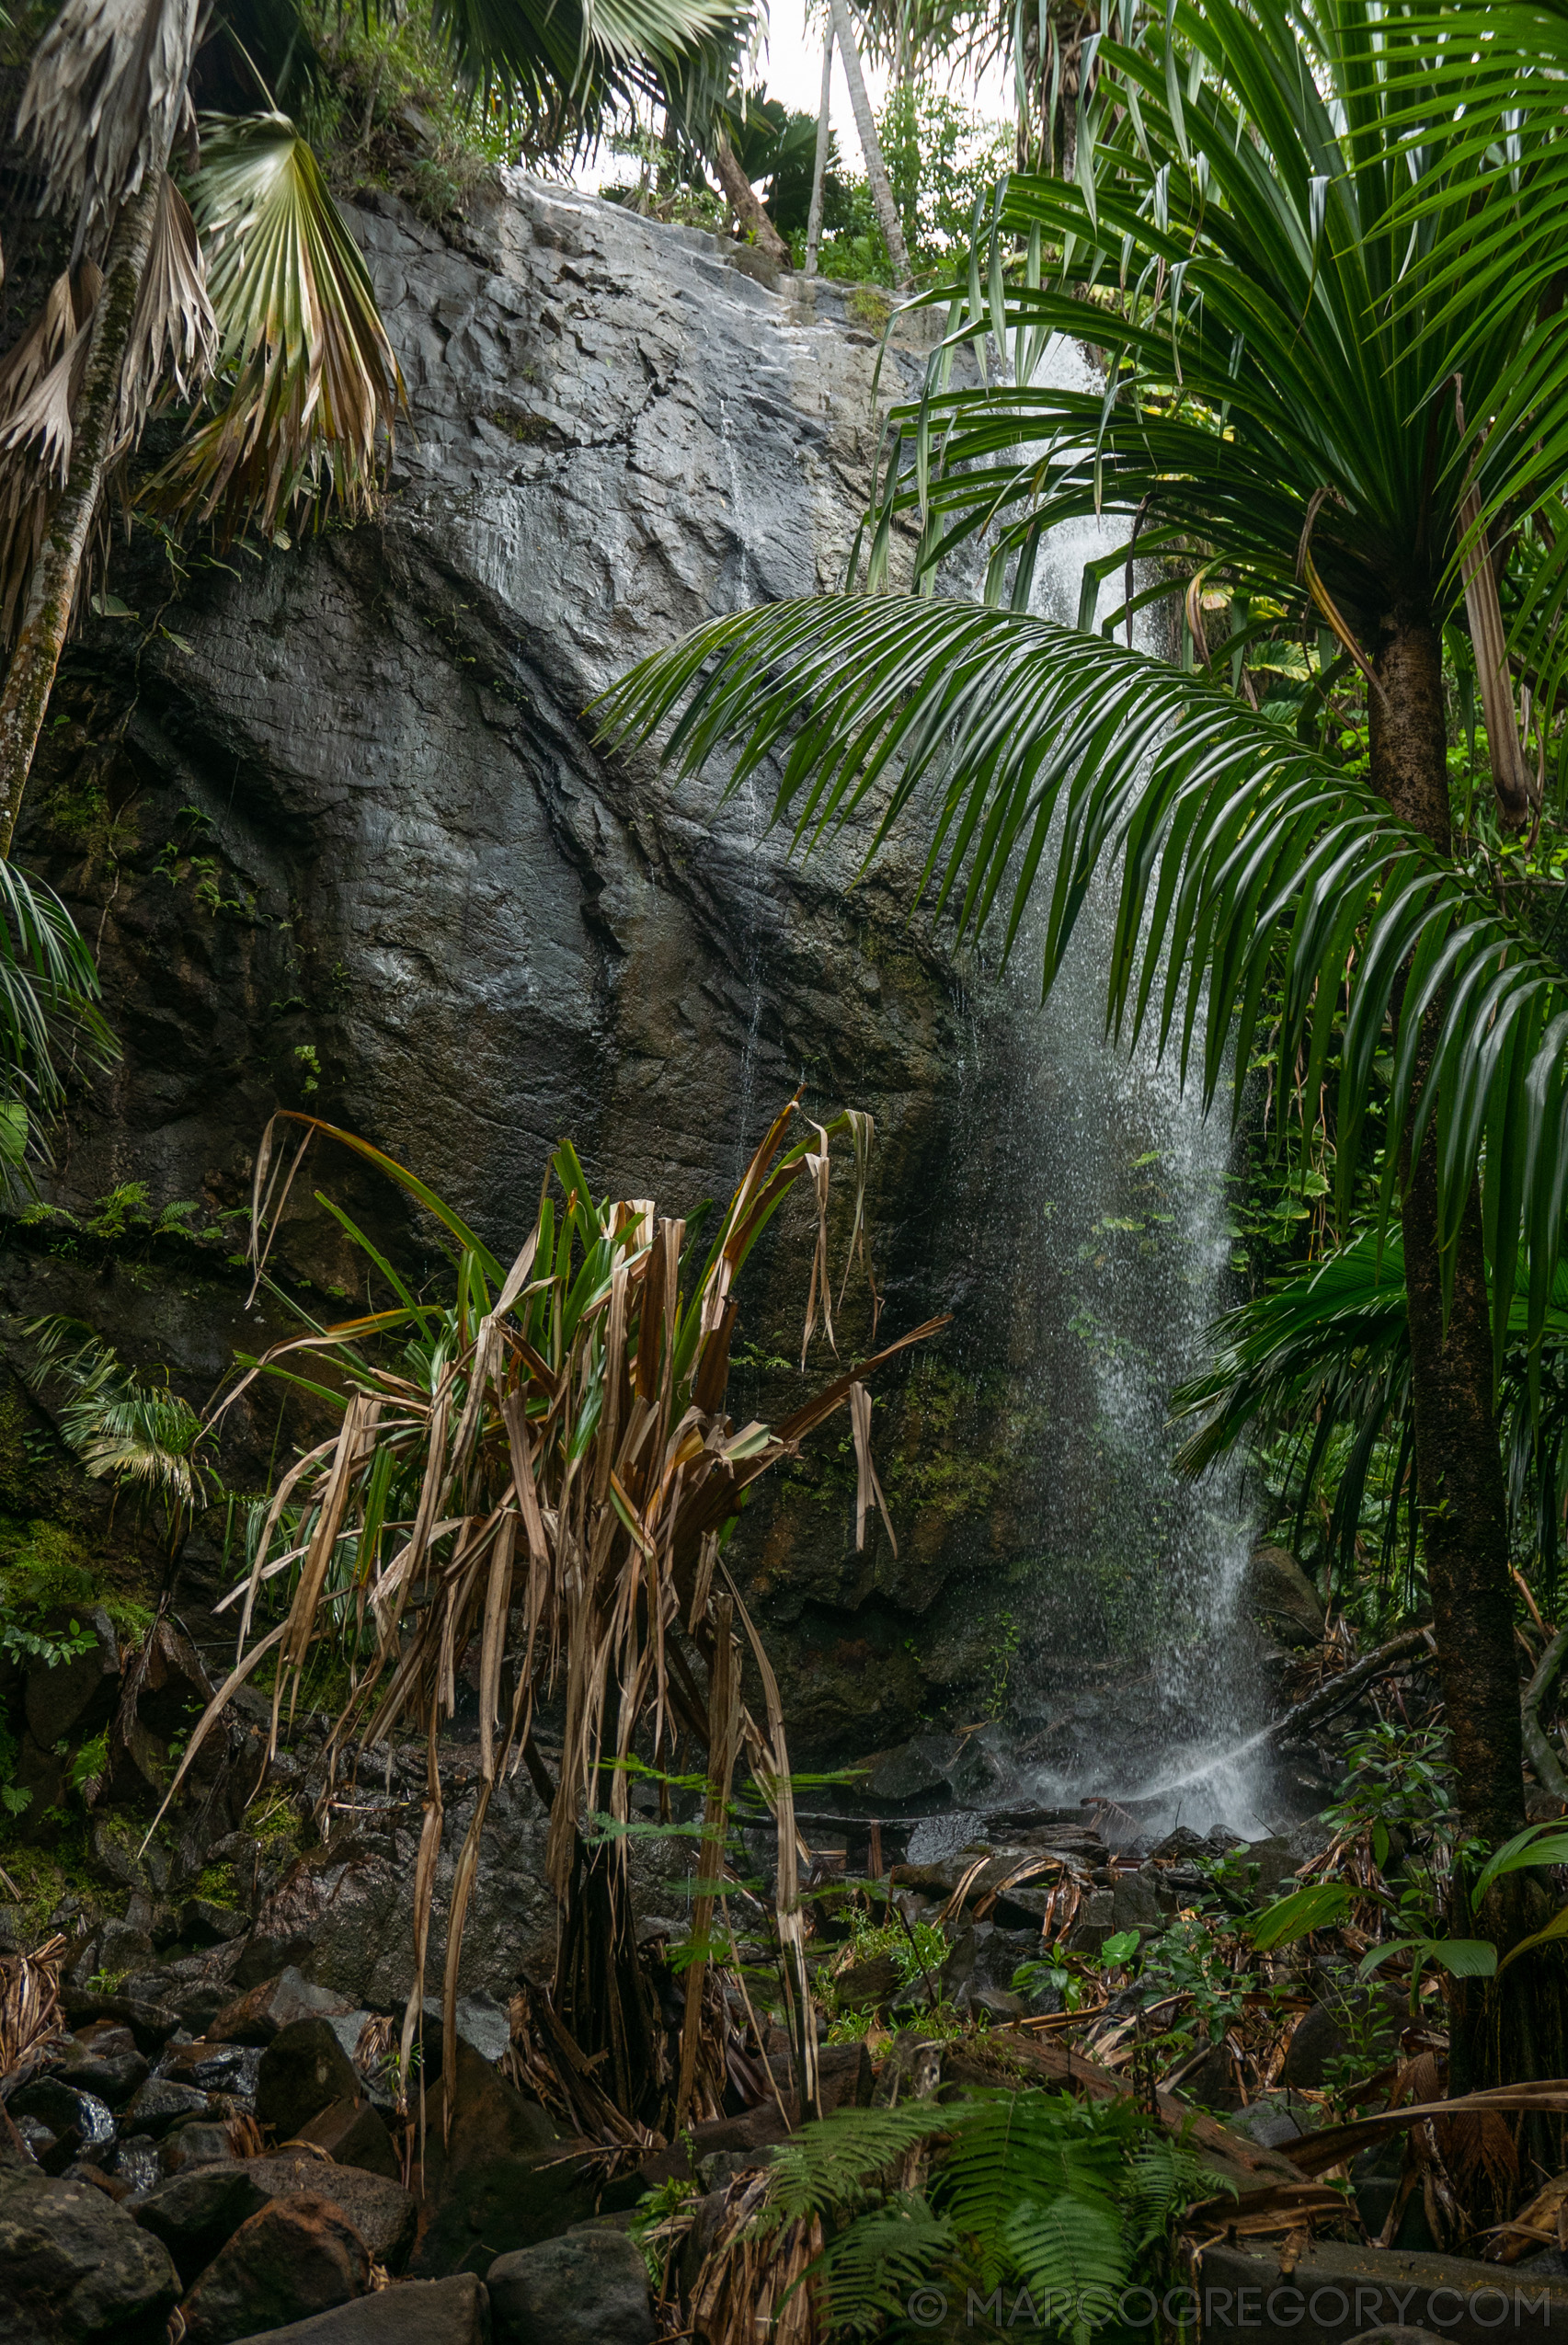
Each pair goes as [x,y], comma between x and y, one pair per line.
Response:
[196,2212]
[1282,1600]
[204,1923]
[79,2117]
[74,2267]
[272,2005]
[293,2258]
[870,1986]
[302,2071]
[151,2024]
[914,1770]
[382,2213]
[214,2067]
[584,2288]
[422,2312]
[198,2142]
[502,2179]
[353,2132]
[162,2103]
[1342,2294]
[102,2059]
[75,1700]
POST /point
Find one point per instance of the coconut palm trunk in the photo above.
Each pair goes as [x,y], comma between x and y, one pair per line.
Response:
[745,203]
[820,166]
[843,25]
[57,574]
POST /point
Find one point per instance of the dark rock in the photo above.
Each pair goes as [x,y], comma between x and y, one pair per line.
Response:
[76,2270]
[1134,1902]
[870,1986]
[161,2104]
[272,2005]
[151,2024]
[135,2162]
[293,2259]
[588,2287]
[79,2119]
[212,2067]
[196,2143]
[748,2139]
[1282,1600]
[844,2073]
[1275,2120]
[1181,1842]
[422,2312]
[1001,2005]
[75,1700]
[912,1771]
[382,2213]
[202,1922]
[1338,2292]
[102,2059]
[199,2000]
[1322,2034]
[502,2180]
[197,2213]
[352,2133]
[302,2071]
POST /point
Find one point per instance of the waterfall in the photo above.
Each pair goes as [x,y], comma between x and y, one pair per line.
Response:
[1139,1669]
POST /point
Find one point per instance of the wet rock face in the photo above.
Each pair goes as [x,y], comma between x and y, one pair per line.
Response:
[342,830]
[75,2267]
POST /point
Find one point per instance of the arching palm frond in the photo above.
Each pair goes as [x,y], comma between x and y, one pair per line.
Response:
[1233,840]
[48,1013]
[123,1426]
[1323,1355]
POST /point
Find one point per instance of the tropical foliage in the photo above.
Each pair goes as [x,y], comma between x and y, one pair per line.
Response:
[538,1465]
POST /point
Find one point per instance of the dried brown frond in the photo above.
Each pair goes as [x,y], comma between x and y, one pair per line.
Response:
[553,1495]
[30,2003]
[104,101]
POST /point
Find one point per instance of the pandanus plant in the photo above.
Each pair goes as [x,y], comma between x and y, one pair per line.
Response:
[543,1472]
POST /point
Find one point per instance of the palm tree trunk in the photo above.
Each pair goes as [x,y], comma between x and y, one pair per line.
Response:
[56,574]
[1498,2033]
[819,168]
[746,203]
[875,170]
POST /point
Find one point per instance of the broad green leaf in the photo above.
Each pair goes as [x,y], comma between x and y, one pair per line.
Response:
[1318,1906]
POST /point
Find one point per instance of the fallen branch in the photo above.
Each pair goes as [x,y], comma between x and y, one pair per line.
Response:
[1349,1683]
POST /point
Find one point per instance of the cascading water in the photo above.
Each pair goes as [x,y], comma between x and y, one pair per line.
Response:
[1139,1669]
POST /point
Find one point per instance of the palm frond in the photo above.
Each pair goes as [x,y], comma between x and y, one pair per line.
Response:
[104,99]
[40,379]
[1321,1358]
[560,68]
[306,373]
[123,1426]
[1234,842]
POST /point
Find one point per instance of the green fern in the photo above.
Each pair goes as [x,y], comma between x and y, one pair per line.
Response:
[119,1423]
[1063,2198]
[870,2269]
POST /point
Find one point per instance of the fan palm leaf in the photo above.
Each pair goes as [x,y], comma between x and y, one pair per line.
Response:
[310,379]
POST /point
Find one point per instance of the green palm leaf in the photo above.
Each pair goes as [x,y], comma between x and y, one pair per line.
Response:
[1233,842]
[308,380]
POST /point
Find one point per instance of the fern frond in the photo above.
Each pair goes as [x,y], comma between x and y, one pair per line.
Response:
[1163,2177]
[1070,2252]
[1029,2149]
[834,2166]
[119,1423]
[871,2268]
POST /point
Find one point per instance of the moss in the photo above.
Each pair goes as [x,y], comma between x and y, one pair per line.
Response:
[47,1879]
[870,309]
[943,1464]
[45,1568]
[218,1884]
